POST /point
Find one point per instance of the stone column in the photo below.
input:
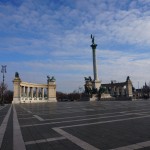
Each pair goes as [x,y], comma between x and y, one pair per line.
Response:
[117,91]
[28,90]
[20,91]
[25,93]
[42,93]
[96,82]
[16,95]
[32,92]
[122,91]
[94,61]
[37,93]
[112,91]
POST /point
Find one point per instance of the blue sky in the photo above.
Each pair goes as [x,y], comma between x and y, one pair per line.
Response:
[52,37]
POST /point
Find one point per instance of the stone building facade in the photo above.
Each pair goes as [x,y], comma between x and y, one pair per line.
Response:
[25,92]
[122,89]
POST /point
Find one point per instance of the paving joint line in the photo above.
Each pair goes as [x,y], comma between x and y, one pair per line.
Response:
[45,140]
[58,122]
[4,125]
[3,107]
[134,146]
[103,122]
[75,140]
[38,117]
[18,143]
[133,111]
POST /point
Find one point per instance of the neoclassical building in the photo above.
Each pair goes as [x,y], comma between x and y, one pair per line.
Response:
[122,89]
[25,92]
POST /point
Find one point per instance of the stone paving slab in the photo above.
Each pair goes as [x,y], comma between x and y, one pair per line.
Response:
[38,132]
[111,125]
[116,134]
[81,120]
[145,148]
[3,112]
[55,145]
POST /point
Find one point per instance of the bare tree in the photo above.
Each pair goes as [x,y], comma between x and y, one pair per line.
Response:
[3,89]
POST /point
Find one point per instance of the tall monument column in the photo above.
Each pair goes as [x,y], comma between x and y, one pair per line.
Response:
[96,82]
[94,61]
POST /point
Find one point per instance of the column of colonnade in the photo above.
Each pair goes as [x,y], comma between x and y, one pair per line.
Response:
[33,93]
[118,91]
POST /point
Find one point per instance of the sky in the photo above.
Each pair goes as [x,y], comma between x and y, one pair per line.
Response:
[52,37]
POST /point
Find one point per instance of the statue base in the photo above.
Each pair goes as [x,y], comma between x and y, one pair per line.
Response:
[96,84]
[94,97]
[106,96]
[16,100]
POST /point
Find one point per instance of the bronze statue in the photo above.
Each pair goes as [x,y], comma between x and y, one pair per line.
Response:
[92,37]
[51,79]
[128,78]
[88,78]
[17,75]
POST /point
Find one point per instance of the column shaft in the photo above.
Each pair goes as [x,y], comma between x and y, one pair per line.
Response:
[43,93]
[94,65]
[27,91]
[32,92]
[37,93]
[20,91]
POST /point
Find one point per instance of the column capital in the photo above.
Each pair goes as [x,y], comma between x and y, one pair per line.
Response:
[51,83]
[94,46]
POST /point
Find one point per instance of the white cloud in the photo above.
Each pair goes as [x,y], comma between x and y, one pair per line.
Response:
[69,74]
[50,38]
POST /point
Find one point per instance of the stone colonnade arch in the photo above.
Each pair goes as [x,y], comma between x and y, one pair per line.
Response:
[25,92]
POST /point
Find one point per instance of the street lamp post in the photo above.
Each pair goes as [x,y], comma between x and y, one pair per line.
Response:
[3,71]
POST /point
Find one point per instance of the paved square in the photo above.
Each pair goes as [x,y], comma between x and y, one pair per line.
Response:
[103,125]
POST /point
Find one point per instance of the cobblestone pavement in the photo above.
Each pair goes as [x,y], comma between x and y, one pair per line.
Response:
[103,125]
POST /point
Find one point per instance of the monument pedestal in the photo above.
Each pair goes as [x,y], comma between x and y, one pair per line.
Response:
[96,84]
[94,97]
[16,95]
[52,91]
[106,96]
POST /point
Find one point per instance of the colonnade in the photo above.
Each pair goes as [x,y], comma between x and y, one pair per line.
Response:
[25,92]
[120,89]
[117,91]
[33,93]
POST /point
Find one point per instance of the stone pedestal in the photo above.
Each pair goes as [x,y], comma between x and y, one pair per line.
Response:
[52,91]
[106,96]
[16,96]
[96,84]
[94,97]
